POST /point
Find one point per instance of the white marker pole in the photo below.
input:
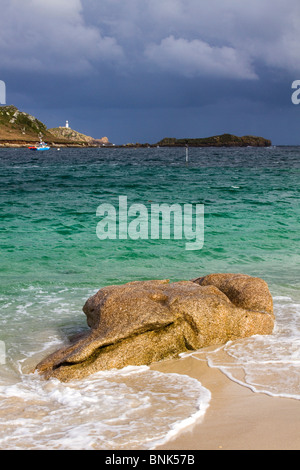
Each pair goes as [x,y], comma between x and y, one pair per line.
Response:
[187,154]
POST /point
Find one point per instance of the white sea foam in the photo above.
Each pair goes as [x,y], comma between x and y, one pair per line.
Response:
[134,408]
[265,364]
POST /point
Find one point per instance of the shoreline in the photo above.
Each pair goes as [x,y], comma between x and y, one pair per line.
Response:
[237,418]
[81,145]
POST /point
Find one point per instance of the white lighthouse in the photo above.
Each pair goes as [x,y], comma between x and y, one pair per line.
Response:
[67,124]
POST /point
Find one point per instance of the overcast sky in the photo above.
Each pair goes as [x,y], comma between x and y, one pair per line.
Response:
[141,70]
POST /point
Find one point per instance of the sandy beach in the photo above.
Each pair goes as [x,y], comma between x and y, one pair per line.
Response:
[237,418]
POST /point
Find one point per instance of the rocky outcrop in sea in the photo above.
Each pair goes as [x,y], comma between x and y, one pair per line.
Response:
[143,322]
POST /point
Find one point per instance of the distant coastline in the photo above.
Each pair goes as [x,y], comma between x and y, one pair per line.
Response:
[224,140]
[19,129]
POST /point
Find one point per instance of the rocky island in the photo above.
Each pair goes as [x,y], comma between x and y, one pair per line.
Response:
[224,140]
[143,322]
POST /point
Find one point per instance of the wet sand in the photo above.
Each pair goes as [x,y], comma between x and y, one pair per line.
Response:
[237,418]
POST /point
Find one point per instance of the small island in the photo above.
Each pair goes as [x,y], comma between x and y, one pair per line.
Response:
[224,140]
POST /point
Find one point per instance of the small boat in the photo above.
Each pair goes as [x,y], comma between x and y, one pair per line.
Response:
[41,146]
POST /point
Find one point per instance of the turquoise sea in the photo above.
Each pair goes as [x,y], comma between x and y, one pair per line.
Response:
[52,261]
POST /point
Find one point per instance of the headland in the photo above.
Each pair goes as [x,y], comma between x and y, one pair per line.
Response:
[19,129]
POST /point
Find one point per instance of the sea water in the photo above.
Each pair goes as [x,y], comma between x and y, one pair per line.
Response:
[52,261]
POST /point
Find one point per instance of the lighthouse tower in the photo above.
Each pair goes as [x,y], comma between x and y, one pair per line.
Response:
[67,124]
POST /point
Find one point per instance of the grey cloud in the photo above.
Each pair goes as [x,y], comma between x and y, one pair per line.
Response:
[52,36]
[198,58]
[215,37]
[267,31]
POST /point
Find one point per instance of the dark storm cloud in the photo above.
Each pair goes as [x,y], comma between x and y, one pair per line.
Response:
[211,61]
